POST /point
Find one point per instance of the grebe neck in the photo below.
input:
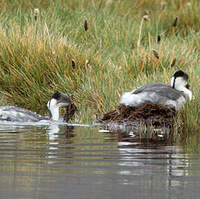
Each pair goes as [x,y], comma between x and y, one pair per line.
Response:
[186,91]
[53,109]
[180,84]
[54,113]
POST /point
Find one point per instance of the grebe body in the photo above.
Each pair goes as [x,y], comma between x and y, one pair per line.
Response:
[17,114]
[162,94]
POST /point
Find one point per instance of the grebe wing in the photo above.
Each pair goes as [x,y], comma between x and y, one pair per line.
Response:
[149,87]
[160,89]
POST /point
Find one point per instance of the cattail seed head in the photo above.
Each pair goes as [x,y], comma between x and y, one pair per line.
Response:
[173,62]
[73,64]
[155,53]
[175,22]
[158,39]
[86,25]
[36,13]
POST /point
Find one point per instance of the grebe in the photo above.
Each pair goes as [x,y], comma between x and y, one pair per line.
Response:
[160,94]
[16,114]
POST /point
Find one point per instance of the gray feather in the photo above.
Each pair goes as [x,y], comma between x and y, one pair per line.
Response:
[16,114]
[163,90]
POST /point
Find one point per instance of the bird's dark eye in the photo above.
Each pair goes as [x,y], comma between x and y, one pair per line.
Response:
[187,86]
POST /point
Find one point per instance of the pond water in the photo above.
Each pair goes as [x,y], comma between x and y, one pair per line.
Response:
[57,161]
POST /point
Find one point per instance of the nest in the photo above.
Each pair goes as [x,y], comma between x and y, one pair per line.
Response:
[149,114]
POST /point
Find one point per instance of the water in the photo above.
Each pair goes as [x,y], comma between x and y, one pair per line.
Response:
[57,161]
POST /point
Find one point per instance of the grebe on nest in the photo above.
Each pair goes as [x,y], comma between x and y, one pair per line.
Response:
[156,102]
[162,94]
[58,99]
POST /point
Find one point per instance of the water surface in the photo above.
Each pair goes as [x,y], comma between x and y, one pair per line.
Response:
[57,161]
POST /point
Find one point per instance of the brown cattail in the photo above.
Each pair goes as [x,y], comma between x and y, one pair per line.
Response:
[155,53]
[73,64]
[175,22]
[158,39]
[36,13]
[86,25]
[173,62]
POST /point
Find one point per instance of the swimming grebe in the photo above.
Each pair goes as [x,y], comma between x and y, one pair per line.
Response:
[160,94]
[16,114]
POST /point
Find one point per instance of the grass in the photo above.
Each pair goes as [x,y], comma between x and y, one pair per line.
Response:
[118,52]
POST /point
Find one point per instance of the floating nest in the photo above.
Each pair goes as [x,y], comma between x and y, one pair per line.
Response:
[147,114]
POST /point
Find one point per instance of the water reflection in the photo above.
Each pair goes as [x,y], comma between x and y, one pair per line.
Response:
[53,132]
[56,161]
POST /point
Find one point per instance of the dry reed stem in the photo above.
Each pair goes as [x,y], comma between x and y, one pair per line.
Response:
[140,32]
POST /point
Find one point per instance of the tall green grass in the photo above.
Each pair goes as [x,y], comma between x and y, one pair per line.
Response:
[115,54]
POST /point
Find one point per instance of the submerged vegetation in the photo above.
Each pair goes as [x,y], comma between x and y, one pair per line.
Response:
[95,50]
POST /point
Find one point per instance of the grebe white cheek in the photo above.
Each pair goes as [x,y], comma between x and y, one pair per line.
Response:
[58,100]
[180,83]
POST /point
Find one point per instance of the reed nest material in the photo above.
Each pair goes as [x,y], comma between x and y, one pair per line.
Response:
[70,111]
[149,114]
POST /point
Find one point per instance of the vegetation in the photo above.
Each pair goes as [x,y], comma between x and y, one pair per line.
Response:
[95,50]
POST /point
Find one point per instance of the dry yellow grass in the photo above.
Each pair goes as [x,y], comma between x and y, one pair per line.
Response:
[95,51]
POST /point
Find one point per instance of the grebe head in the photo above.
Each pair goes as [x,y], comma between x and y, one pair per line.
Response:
[180,82]
[57,100]
[180,79]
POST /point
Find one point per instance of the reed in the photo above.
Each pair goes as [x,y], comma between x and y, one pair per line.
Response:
[54,48]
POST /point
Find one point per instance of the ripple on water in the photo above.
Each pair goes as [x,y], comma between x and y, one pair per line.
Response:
[52,161]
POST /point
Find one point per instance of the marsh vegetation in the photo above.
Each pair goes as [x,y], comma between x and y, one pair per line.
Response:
[95,50]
